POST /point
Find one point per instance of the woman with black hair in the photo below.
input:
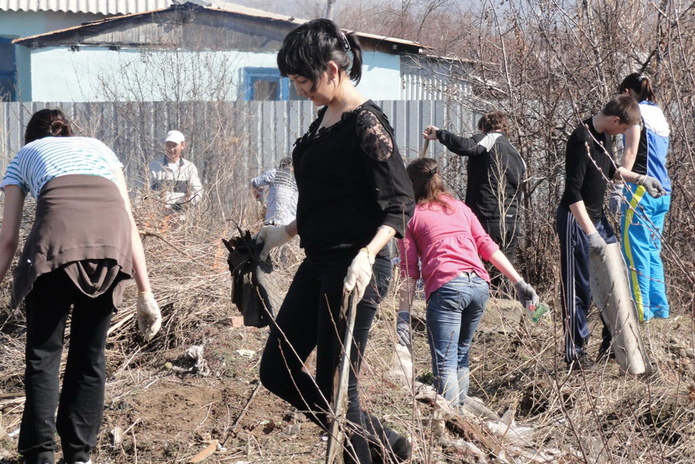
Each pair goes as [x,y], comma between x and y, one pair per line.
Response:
[84,243]
[643,217]
[354,196]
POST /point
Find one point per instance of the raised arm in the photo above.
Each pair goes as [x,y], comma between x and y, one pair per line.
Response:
[463,146]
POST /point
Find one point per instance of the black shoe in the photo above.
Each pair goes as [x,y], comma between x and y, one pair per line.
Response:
[394,449]
[581,363]
[604,354]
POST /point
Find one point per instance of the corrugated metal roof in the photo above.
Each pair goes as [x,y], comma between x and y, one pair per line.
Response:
[114,7]
[104,7]
[222,6]
[247,11]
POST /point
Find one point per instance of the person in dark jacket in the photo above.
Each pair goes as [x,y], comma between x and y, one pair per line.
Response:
[495,173]
[354,196]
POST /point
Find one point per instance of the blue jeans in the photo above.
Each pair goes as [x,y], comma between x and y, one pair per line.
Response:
[453,313]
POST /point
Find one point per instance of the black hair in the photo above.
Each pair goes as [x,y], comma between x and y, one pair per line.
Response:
[640,84]
[307,50]
[47,123]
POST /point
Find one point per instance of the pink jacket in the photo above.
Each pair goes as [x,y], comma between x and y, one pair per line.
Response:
[446,243]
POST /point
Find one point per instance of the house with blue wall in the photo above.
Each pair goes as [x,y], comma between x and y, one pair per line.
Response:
[198,51]
[22,18]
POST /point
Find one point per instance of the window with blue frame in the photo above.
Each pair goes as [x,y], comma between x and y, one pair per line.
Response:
[8,70]
[265,84]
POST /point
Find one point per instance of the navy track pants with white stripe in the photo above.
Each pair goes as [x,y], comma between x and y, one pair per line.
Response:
[576,290]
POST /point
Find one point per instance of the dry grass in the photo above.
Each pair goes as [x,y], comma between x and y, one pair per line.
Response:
[167,414]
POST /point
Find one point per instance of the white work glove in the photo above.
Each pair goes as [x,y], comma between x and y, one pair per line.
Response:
[525,293]
[148,314]
[403,328]
[596,244]
[652,186]
[271,237]
[359,273]
[615,198]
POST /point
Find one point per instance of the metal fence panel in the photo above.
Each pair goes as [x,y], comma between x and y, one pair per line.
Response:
[247,136]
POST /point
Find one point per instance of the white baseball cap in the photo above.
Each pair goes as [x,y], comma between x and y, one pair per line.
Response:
[175,136]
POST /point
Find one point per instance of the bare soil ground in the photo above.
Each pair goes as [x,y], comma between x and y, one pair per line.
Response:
[161,409]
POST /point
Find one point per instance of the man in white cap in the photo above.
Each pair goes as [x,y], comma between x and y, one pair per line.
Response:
[174,177]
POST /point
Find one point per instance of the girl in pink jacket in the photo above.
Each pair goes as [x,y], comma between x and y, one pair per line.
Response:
[444,243]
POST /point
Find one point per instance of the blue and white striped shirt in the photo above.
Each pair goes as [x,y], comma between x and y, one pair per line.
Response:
[42,160]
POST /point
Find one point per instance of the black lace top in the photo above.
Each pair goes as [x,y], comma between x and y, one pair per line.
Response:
[351,179]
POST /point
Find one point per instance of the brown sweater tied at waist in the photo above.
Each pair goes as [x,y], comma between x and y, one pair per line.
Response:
[82,226]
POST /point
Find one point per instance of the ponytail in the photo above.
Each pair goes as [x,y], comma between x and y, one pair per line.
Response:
[428,185]
[641,85]
[47,123]
[356,48]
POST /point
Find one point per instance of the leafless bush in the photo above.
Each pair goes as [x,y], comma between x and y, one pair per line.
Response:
[547,64]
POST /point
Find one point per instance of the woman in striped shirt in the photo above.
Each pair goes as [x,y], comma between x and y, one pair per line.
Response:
[83,244]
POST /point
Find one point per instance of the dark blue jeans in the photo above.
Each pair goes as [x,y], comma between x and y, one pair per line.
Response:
[80,404]
[306,321]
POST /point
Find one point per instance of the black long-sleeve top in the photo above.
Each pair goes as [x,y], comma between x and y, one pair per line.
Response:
[351,180]
[588,168]
[492,162]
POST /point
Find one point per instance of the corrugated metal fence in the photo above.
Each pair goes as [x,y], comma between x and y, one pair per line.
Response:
[230,142]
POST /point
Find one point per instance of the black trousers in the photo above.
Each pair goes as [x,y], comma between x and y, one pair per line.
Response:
[505,234]
[80,404]
[306,321]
